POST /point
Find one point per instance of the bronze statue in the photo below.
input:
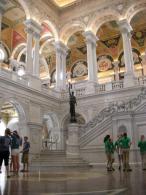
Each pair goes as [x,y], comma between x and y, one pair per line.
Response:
[73,103]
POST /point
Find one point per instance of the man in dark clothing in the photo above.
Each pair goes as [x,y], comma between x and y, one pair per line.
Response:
[5,142]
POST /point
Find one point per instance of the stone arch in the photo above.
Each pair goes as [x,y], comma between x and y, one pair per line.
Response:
[22,124]
[53,29]
[99,19]
[50,40]
[25,8]
[134,9]
[18,49]
[122,129]
[69,29]
[51,124]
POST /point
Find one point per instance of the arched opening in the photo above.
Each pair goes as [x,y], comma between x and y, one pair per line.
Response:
[47,55]
[122,129]
[107,51]
[138,42]
[13,34]
[51,137]
[13,117]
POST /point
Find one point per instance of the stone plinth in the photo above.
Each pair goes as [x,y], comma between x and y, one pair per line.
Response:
[72,145]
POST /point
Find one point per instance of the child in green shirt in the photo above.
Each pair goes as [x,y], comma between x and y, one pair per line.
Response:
[142,146]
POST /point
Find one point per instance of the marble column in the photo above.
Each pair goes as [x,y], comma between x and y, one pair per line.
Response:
[36,61]
[116,69]
[143,57]
[61,53]
[126,29]
[91,56]
[29,60]
[91,40]
[33,30]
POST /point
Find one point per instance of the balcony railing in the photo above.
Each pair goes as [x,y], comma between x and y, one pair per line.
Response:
[79,88]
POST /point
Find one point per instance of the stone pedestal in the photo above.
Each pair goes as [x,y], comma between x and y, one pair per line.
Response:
[72,145]
[35,139]
[33,82]
[91,87]
[129,80]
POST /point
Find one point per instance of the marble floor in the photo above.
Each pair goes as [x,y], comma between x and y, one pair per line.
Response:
[75,181]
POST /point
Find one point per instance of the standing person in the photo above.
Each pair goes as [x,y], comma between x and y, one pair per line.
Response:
[142,146]
[125,145]
[106,138]
[16,142]
[25,154]
[5,142]
[109,150]
[119,151]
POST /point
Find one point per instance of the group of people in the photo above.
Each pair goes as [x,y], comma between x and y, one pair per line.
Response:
[122,147]
[10,146]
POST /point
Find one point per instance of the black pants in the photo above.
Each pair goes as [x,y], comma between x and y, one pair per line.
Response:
[4,155]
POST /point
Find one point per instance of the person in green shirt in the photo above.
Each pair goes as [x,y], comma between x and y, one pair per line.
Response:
[109,150]
[119,150]
[142,146]
[125,146]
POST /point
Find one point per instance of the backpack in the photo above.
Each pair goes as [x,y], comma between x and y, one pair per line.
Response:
[4,142]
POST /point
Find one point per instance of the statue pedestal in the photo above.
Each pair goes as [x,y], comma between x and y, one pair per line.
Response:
[72,144]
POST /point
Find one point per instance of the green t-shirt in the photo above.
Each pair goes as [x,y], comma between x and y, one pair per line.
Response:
[109,147]
[125,142]
[142,146]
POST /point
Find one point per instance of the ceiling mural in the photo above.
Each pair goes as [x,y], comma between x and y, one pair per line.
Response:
[109,44]
[63,3]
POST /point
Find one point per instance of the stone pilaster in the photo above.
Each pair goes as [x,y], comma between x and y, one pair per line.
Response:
[126,29]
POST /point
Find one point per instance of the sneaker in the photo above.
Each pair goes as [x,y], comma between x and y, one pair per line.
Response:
[8,176]
[22,170]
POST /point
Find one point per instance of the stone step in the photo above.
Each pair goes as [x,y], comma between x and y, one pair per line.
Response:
[48,159]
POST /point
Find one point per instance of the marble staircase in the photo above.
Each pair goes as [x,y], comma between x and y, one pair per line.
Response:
[55,158]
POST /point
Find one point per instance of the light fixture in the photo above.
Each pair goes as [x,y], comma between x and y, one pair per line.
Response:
[21,70]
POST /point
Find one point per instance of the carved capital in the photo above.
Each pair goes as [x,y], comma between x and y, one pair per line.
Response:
[125,27]
[90,37]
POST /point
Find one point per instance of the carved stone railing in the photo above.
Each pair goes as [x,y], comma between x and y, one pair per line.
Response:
[117,85]
[9,74]
[141,81]
[88,136]
[118,106]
